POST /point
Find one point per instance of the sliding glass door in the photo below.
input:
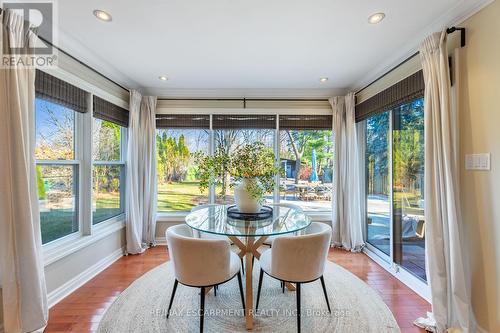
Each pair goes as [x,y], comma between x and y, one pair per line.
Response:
[378,182]
[394,167]
[408,187]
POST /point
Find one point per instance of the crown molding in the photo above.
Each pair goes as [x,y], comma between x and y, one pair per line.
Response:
[454,16]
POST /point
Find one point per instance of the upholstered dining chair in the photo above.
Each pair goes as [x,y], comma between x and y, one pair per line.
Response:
[201,263]
[298,259]
[269,240]
[206,235]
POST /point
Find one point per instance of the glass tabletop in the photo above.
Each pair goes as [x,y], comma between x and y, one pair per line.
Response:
[213,219]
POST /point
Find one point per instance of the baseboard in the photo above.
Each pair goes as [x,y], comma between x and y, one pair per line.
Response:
[66,289]
[161,240]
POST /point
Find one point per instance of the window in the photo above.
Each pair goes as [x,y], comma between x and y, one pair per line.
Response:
[71,148]
[108,171]
[303,141]
[306,157]
[57,169]
[234,131]
[178,139]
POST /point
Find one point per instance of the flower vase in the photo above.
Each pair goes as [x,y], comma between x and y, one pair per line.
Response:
[244,200]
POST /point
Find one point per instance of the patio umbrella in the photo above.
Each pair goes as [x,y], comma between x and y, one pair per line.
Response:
[314,174]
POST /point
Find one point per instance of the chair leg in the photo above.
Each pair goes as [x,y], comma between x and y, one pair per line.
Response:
[242,266]
[172,297]
[261,275]
[298,307]
[241,291]
[283,286]
[215,290]
[202,308]
[324,292]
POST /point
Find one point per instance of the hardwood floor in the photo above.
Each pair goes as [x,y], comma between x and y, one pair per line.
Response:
[83,309]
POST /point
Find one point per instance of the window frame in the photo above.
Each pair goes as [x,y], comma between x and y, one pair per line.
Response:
[179,216]
[75,162]
[122,163]
[88,233]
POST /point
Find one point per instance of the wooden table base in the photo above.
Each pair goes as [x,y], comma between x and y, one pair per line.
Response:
[249,250]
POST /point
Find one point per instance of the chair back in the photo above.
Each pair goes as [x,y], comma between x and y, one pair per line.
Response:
[301,258]
[198,262]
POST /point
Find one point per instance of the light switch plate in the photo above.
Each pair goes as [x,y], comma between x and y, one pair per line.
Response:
[477,161]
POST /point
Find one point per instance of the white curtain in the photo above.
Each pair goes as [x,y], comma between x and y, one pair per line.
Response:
[21,268]
[451,309]
[141,173]
[347,221]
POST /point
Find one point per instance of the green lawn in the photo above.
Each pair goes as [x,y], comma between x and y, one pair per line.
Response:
[183,196]
[58,223]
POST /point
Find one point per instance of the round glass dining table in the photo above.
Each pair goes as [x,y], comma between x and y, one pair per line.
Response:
[249,235]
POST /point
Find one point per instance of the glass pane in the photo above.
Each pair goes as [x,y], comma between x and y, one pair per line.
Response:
[229,140]
[107,201]
[58,200]
[307,162]
[55,129]
[176,168]
[378,185]
[106,141]
[408,171]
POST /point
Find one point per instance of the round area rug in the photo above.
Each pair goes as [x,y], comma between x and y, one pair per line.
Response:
[142,307]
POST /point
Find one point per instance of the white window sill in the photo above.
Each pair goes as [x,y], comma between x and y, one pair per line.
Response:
[65,246]
[178,217]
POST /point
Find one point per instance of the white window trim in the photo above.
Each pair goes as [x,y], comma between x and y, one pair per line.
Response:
[164,217]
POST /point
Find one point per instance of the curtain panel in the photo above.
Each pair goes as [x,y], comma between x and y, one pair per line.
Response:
[451,307]
[347,222]
[22,277]
[141,174]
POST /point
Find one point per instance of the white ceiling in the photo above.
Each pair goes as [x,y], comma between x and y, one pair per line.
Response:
[252,48]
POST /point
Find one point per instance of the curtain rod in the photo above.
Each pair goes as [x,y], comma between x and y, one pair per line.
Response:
[448,31]
[245,100]
[82,63]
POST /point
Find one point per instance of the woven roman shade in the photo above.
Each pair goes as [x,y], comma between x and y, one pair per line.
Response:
[402,92]
[306,122]
[243,121]
[110,112]
[54,90]
[183,121]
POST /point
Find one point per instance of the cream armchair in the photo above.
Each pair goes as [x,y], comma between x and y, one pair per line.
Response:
[201,263]
[298,259]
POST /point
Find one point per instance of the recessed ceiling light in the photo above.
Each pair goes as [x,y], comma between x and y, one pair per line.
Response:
[376,18]
[323,79]
[163,78]
[102,15]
